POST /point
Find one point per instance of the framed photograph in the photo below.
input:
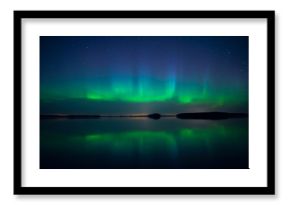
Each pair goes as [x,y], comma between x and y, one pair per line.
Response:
[144,102]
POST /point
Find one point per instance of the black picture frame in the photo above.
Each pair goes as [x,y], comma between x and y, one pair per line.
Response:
[268,15]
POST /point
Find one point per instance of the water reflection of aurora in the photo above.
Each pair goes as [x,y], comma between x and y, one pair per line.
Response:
[128,140]
[174,147]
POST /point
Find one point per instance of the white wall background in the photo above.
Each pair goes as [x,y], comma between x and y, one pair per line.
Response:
[282,98]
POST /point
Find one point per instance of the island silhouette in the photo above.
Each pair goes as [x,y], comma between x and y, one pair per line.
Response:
[155,116]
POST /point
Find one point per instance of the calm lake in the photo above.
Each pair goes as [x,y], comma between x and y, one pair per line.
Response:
[142,143]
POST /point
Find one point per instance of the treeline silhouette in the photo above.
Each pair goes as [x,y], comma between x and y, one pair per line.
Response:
[155,116]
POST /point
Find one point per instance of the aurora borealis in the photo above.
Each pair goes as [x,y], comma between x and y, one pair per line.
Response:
[117,77]
[143,74]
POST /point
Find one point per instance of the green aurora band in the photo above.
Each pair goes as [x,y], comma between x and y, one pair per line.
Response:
[148,90]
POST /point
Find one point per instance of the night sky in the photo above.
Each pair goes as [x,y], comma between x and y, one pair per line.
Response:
[143,74]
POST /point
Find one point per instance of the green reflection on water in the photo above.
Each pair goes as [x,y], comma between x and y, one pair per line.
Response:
[129,139]
[157,144]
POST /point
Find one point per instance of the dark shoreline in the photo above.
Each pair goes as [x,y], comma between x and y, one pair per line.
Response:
[156,116]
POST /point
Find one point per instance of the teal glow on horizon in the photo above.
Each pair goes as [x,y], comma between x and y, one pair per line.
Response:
[148,90]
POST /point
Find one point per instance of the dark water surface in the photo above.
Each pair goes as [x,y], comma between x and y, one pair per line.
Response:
[142,143]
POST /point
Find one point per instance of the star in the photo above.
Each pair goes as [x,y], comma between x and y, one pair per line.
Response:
[228,52]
